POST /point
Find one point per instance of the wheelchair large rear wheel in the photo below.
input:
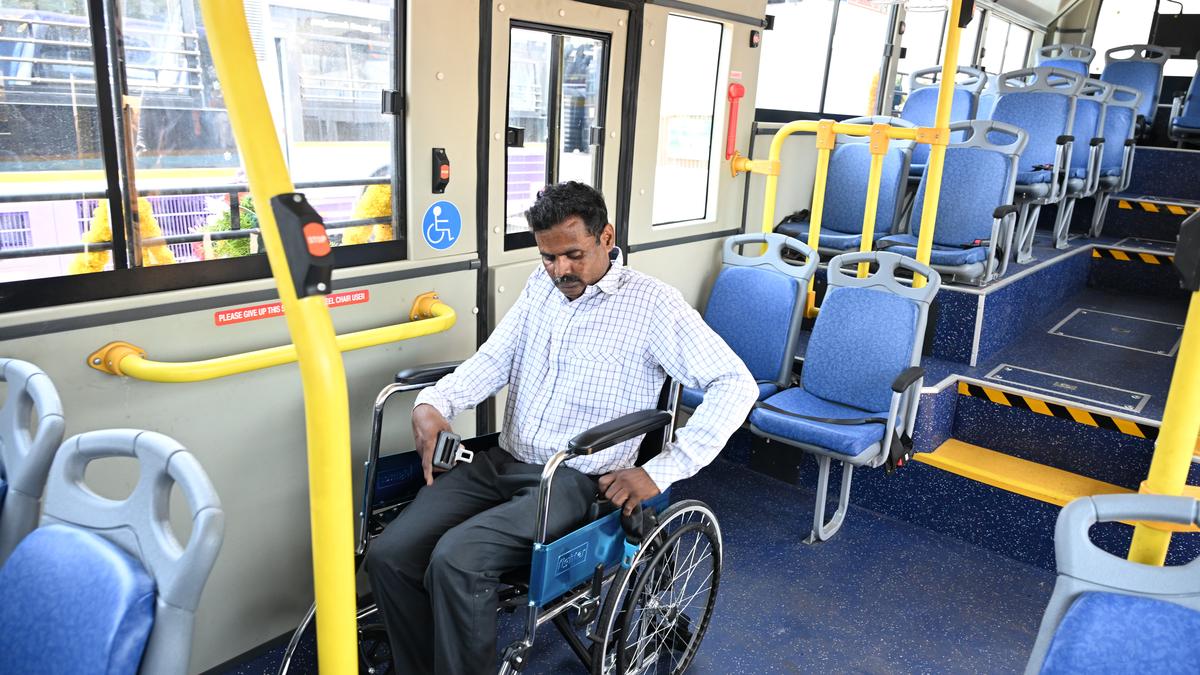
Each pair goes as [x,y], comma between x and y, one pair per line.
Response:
[657,611]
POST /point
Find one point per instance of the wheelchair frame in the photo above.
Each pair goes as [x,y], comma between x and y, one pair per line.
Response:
[607,551]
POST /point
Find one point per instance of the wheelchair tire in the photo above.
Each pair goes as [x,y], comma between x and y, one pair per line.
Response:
[374,652]
[657,611]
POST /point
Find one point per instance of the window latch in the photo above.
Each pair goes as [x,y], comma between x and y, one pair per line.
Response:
[514,137]
[393,102]
[596,136]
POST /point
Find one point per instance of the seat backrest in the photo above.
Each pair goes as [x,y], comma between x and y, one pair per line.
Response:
[764,339]
[1090,110]
[979,174]
[1120,125]
[1191,102]
[139,525]
[849,173]
[1042,102]
[868,331]
[1140,67]
[920,107]
[31,428]
[1072,57]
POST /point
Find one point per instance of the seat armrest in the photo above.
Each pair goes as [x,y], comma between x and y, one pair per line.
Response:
[1064,139]
[1098,140]
[1002,211]
[427,374]
[608,434]
[907,378]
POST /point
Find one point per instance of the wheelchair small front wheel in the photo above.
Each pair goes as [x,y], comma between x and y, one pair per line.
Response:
[657,611]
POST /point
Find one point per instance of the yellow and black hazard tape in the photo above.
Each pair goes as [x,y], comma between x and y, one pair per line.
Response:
[1155,207]
[1091,419]
[1133,256]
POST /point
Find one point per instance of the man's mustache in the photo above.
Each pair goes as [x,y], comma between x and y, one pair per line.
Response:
[567,280]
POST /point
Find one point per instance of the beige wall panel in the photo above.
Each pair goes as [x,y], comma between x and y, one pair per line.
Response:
[691,268]
[443,100]
[248,432]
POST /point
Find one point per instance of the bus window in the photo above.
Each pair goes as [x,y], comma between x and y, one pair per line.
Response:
[851,86]
[792,67]
[690,80]
[1121,22]
[556,95]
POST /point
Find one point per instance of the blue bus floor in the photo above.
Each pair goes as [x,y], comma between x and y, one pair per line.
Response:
[883,596]
[1104,348]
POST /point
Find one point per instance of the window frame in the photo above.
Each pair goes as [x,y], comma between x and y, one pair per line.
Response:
[127,278]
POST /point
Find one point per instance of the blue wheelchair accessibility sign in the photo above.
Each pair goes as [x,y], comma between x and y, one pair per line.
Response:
[441,225]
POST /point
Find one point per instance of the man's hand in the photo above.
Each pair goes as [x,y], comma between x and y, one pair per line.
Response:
[628,487]
[427,423]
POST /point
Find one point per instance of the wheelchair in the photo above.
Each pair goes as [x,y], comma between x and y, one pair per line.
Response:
[641,589]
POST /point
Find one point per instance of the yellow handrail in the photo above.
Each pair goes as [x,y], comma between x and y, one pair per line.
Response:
[429,315]
[1176,439]
[879,147]
[326,402]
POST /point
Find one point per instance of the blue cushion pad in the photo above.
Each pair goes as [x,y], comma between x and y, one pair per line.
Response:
[1113,633]
[846,439]
[761,343]
[1033,177]
[691,398]
[829,238]
[906,245]
[73,602]
[1192,122]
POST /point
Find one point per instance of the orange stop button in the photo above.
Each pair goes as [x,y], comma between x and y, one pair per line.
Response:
[316,239]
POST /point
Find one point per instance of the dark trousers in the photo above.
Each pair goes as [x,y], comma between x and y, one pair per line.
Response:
[435,570]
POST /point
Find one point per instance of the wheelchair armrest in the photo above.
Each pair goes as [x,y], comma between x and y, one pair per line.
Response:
[608,434]
[426,374]
[907,378]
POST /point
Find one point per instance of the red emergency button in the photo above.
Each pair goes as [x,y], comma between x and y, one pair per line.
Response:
[445,172]
[315,237]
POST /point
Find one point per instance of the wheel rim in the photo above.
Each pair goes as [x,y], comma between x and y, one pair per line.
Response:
[663,605]
[374,652]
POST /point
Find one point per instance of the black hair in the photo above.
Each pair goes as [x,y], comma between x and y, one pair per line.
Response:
[557,203]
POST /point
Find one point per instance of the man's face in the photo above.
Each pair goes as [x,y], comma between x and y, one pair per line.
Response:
[573,258]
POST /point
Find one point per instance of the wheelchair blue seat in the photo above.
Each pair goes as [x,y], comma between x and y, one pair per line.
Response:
[71,601]
[850,440]
[1113,632]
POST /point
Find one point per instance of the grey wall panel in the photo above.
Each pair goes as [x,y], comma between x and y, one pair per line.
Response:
[248,432]
[690,268]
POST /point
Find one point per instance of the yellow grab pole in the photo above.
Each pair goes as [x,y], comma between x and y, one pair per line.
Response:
[937,149]
[1176,439]
[326,407]
[826,140]
[879,147]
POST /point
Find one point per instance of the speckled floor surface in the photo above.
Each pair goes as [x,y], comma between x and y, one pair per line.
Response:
[883,596]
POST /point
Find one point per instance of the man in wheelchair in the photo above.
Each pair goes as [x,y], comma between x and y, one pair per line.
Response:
[589,340]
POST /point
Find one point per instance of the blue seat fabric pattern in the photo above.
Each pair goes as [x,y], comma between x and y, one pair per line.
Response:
[974,183]
[846,439]
[1141,75]
[862,339]
[691,398]
[1192,122]
[1114,633]
[1087,116]
[940,255]
[920,108]
[1073,65]
[73,602]
[1042,116]
[1117,122]
[829,239]
[846,189]
[762,342]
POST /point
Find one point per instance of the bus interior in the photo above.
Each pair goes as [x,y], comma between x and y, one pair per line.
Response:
[1023,175]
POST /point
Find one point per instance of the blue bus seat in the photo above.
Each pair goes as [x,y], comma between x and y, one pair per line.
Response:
[1116,158]
[846,190]
[777,290]
[861,365]
[1042,102]
[1140,67]
[1067,57]
[1108,614]
[975,216]
[1083,180]
[1185,112]
[26,449]
[106,583]
[920,107]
